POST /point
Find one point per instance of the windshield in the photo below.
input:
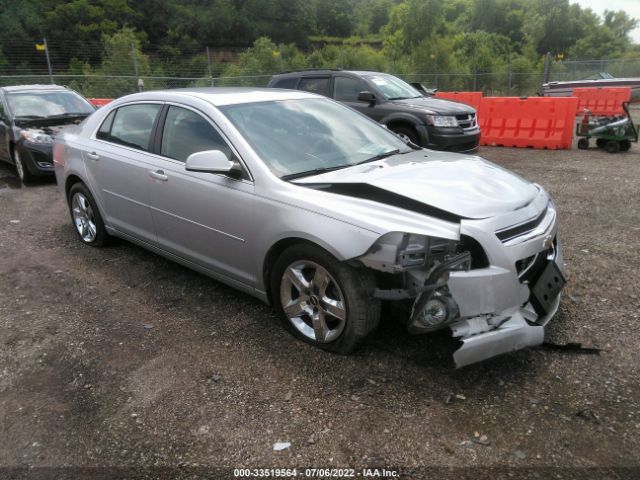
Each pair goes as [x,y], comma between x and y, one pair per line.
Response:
[392,87]
[600,76]
[311,135]
[47,104]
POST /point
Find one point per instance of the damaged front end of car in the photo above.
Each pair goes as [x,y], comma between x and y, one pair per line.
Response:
[495,287]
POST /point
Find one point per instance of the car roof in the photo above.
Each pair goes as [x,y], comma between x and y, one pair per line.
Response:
[327,71]
[219,96]
[28,88]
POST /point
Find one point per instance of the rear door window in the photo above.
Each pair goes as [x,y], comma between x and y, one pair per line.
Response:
[319,85]
[132,126]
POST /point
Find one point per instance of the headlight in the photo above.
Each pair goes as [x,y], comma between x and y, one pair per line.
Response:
[417,250]
[442,121]
[35,136]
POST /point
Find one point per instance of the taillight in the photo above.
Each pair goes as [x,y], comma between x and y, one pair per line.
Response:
[58,154]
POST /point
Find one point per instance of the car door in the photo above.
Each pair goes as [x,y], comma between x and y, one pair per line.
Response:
[206,218]
[119,164]
[346,90]
[5,126]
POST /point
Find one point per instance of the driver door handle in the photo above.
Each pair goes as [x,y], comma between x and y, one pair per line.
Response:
[158,175]
[93,155]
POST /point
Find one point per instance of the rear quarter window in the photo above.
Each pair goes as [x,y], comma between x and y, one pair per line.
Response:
[131,126]
[286,83]
[315,85]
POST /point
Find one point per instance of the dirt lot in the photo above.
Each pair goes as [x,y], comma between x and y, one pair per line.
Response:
[117,357]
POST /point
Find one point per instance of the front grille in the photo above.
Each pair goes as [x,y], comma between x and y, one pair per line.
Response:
[522,229]
[467,121]
[530,268]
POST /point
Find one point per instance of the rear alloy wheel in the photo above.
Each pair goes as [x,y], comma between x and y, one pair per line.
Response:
[23,172]
[86,216]
[612,146]
[323,301]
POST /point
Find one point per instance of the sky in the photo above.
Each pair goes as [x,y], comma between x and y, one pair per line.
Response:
[632,7]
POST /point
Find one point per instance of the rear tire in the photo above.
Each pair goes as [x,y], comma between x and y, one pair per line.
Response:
[612,146]
[625,145]
[86,217]
[406,133]
[327,303]
[583,143]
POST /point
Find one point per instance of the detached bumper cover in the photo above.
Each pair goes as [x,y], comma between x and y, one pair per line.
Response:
[516,333]
[502,308]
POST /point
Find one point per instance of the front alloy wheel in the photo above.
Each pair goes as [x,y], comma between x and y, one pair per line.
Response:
[312,301]
[323,301]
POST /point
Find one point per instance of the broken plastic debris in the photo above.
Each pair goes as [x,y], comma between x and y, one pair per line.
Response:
[278,446]
[572,347]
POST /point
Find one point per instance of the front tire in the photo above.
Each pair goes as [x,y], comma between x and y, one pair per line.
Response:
[86,217]
[406,133]
[323,301]
[22,170]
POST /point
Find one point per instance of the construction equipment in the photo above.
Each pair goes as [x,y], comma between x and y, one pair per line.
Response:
[613,133]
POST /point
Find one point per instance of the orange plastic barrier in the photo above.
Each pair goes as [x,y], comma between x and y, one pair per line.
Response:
[536,122]
[470,98]
[602,100]
[99,102]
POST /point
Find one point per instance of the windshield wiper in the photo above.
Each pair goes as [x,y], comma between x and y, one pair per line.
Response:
[380,156]
[403,98]
[69,115]
[315,171]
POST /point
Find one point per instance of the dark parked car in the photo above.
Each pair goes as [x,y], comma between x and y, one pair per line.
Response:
[30,117]
[428,122]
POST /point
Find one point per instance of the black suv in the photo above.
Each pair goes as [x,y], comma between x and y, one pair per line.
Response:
[426,121]
[30,118]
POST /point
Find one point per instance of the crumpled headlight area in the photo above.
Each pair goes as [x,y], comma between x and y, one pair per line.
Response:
[33,135]
[398,251]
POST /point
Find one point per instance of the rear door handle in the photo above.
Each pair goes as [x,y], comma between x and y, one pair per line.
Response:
[93,155]
[158,175]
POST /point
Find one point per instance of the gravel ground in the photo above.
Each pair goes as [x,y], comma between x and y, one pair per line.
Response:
[117,357]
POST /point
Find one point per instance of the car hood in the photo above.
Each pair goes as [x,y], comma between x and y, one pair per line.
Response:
[436,105]
[463,186]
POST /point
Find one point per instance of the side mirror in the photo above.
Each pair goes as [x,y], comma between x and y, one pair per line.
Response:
[209,161]
[367,97]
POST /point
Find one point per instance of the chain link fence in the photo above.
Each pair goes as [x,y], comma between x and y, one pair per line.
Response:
[111,86]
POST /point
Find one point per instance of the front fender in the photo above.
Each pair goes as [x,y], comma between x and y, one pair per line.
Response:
[401,117]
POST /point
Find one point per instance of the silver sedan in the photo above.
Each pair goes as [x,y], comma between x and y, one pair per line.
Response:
[319,211]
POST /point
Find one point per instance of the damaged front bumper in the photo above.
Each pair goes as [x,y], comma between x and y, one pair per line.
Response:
[504,305]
